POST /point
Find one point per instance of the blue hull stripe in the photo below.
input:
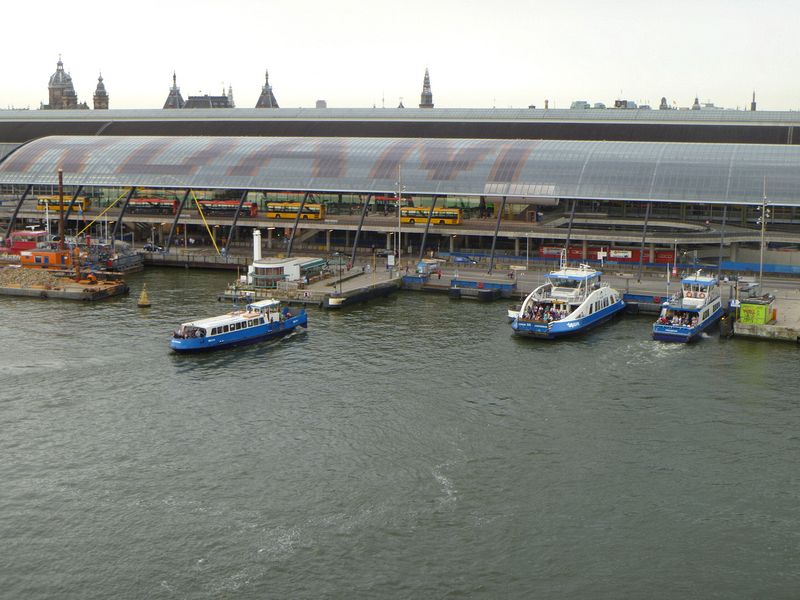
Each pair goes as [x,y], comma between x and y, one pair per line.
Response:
[567,328]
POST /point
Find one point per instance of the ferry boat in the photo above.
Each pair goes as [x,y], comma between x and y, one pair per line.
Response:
[258,321]
[695,308]
[572,301]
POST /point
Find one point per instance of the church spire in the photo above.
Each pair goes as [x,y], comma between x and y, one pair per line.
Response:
[174,99]
[267,98]
[100,95]
[753,103]
[426,98]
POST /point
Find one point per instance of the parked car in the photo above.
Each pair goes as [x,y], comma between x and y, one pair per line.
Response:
[148,247]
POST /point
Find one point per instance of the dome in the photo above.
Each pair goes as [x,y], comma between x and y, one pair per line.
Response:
[60,78]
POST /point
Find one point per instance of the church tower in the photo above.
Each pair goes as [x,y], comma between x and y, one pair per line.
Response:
[60,90]
[100,95]
[267,98]
[174,99]
[426,98]
[753,103]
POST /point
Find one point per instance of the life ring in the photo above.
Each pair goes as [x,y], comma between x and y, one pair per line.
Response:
[701,295]
[689,294]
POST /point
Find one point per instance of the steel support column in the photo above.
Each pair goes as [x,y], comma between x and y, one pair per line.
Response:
[72,203]
[296,221]
[644,237]
[722,239]
[175,220]
[118,224]
[17,208]
[358,231]
[496,231]
[569,230]
[427,227]
[235,220]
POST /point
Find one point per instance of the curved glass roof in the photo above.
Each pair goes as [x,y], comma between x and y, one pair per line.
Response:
[635,171]
[557,115]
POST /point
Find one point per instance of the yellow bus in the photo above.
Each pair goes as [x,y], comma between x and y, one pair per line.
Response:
[288,210]
[441,216]
[52,203]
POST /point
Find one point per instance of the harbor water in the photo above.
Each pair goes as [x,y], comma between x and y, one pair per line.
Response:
[406,448]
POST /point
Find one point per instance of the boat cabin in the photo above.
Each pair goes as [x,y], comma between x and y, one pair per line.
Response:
[572,285]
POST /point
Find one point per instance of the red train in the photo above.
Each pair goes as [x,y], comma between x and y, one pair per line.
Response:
[163,206]
[160,206]
[228,207]
[613,254]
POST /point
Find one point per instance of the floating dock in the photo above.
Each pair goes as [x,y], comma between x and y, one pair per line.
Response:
[332,292]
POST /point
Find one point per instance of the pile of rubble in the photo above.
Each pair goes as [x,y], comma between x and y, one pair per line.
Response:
[28,278]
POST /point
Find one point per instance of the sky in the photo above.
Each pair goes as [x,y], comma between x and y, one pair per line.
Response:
[358,53]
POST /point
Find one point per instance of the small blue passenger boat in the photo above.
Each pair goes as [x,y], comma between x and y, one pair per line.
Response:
[687,314]
[572,301]
[259,321]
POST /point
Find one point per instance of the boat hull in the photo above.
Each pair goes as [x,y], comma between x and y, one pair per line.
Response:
[684,335]
[242,337]
[566,328]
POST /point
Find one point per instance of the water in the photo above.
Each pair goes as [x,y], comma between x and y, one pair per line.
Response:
[409,448]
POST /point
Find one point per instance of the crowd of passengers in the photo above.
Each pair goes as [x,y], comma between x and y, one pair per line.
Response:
[539,311]
[679,319]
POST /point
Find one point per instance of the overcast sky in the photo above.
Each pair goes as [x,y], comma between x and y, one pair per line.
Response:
[358,53]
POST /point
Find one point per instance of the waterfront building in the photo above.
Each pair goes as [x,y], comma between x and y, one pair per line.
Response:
[61,92]
[267,98]
[426,98]
[100,97]
[174,98]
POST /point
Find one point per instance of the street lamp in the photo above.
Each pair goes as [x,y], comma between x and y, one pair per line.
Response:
[762,220]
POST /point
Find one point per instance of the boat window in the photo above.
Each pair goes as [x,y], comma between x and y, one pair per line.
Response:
[225,328]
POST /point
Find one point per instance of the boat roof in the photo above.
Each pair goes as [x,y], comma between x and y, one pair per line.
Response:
[574,274]
[227,318]
[268,303]
[698,279]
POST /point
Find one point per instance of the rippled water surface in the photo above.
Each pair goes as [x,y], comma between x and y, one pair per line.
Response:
[408,448]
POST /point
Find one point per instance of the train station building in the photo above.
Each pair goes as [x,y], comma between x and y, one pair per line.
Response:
[491,196]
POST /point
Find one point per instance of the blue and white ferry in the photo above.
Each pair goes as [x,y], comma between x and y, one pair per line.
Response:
[572,301]
[695,308]
[258,321]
